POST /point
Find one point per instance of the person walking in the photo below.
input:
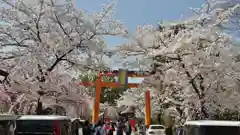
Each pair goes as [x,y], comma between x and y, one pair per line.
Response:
[120,127]
[128,128]
[87,130]
[99,129]
[134,130]
[110,128]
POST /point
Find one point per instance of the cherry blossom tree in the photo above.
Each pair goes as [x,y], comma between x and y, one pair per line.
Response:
[196,68]
[232,24]
[135,97]
[44,45]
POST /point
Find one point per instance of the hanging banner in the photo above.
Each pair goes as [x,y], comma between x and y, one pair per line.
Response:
[123,77]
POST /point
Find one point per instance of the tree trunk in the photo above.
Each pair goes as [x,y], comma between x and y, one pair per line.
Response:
[39,107]
[169,131]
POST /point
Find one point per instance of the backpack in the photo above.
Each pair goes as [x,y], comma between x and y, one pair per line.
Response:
[98,131]
[110,131]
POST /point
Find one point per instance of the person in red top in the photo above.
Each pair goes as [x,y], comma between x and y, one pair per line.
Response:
[109,128]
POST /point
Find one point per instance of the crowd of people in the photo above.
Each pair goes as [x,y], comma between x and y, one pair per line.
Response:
[109,128]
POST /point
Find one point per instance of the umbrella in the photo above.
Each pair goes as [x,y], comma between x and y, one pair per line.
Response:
[130,109]
[111,112]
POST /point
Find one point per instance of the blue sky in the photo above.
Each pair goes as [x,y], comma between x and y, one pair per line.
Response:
[141,12]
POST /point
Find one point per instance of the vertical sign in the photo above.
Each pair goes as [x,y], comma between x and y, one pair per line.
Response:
[123,77]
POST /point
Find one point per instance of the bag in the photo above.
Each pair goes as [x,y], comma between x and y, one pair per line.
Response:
[110,131]
[98,131]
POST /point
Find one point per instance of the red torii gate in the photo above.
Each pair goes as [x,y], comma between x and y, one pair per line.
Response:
[99,84]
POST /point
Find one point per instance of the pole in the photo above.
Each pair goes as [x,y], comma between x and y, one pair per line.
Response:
[97,100]
[147,109]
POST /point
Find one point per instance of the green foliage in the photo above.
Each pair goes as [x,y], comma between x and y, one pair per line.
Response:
[108,95]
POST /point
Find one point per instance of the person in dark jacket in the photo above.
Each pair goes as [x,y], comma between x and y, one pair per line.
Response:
[120,127]
[87,130]
[128,128]
[99,129]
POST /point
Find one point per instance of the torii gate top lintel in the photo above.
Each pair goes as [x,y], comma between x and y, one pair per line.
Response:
[136,74]
[129,73]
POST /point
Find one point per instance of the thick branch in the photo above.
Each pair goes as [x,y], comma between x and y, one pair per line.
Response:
[17,43]
[38,20]
[166,59]
[14,44]
[59,59]
[11,57]
[199,93]
[73,63]
[201,82]
[61,26]
[192,79]
[5,75]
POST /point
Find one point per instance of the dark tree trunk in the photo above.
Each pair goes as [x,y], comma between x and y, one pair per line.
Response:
[5,75]
[168,131]
[39,107]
